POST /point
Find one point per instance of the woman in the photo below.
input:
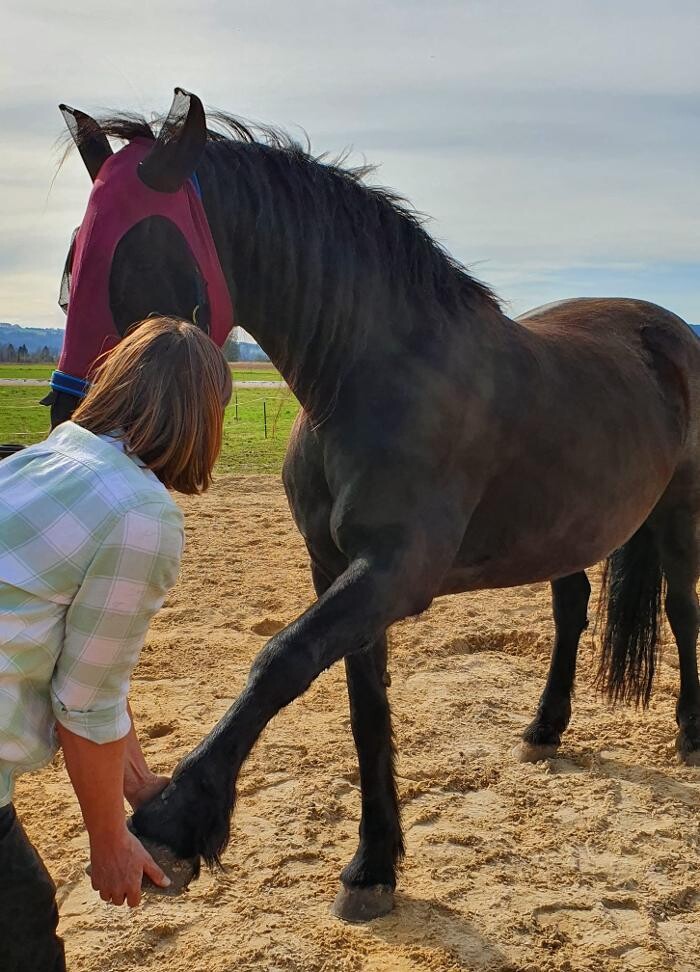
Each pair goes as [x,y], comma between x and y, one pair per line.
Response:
[90,544]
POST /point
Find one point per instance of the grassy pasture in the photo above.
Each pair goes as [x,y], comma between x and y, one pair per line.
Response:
[245,371]
[245,448]
[39,371]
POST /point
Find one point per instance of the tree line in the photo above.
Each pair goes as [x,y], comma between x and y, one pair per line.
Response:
[20,354]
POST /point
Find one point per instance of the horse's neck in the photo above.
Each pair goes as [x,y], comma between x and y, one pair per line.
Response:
[283,294]
[250,277]
[314,315]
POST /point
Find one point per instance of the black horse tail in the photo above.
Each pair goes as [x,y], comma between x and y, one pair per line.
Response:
[631,600]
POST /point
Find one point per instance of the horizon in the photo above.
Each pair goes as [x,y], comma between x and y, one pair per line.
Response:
[553,147]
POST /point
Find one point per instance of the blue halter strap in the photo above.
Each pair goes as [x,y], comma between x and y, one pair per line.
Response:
[61,382]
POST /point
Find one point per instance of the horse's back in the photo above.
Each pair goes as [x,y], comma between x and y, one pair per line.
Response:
[631,342]
[602,322]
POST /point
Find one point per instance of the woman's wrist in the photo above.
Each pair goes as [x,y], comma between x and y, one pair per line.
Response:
[136,771]
[136,779]
[108,833]
[145,789]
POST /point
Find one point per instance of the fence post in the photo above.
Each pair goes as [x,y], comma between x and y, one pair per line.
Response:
[265,416]
[235,406]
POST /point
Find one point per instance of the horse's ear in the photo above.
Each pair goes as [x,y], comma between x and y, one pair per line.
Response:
[179,146]
[91,140]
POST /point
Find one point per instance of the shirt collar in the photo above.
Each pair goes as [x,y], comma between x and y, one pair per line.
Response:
[72,439]
[116,440]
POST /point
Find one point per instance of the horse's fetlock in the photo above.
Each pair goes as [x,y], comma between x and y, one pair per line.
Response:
[369,868]
[542,734]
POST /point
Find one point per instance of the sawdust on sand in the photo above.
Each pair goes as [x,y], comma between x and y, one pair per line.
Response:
[585,862]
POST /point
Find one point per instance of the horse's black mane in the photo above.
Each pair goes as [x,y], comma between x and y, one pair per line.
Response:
[336,265]
[416,242]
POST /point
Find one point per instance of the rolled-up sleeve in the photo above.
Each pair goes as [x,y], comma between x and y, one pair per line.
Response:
[106,624]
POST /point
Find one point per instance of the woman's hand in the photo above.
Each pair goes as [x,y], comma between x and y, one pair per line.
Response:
[143,789]
[118,863]
[140,784]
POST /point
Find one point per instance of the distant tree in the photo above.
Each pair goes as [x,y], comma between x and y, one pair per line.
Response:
[22,353]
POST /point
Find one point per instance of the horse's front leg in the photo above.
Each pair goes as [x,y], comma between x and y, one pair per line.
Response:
[369,880]
[192,814]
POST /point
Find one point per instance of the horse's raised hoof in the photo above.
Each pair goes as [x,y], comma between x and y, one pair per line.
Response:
[181,871]
[357,905]
[526,752]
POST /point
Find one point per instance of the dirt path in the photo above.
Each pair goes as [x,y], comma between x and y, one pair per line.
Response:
[587,862]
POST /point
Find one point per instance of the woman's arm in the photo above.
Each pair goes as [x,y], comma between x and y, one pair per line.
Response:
[106,624]
[118,859]
[140,784]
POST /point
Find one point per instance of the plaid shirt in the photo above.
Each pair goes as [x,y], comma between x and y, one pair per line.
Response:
[90,544]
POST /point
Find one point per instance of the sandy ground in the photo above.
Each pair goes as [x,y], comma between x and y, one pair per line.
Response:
[586,862]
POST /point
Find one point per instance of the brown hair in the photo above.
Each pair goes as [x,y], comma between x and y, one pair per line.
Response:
[163,389]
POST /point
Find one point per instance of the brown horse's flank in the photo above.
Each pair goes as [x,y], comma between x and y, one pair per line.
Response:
[442,448]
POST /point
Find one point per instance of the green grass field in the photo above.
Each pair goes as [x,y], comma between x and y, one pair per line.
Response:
[43,372]
[245,448]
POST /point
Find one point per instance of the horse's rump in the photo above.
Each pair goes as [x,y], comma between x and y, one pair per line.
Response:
[600,431]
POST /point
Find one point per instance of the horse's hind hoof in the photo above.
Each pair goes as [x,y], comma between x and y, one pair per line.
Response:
[357,905]
[526,752]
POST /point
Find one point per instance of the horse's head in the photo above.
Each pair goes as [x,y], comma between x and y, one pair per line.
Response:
[144,246]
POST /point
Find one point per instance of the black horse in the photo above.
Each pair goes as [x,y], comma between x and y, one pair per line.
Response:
[441,448]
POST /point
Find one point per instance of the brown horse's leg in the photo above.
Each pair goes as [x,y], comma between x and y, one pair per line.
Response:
[680,558]
[570,604]
[369,879]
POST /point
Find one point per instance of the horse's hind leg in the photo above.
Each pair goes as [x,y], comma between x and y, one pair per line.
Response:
[680,560]
[570,605]
[369,879]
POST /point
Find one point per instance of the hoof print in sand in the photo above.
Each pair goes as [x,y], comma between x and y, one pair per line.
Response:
[267,627]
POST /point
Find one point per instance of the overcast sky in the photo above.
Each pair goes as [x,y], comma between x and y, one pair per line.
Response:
[555,144]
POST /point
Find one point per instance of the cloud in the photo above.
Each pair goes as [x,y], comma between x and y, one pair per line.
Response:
[555,144]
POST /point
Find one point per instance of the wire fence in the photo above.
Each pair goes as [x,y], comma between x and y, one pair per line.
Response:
[266,411]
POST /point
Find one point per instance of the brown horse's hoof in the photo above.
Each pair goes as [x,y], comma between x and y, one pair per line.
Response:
[686,756]
[526,752]
[357,905]
[181,871]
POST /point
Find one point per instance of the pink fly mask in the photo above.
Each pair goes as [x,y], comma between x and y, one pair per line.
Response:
[145,179]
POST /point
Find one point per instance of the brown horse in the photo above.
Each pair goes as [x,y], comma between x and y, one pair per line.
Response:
[441,448]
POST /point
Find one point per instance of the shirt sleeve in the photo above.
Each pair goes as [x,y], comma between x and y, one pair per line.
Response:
[106,623]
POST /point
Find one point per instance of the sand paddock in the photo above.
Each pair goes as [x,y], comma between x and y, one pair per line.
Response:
[586,862]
